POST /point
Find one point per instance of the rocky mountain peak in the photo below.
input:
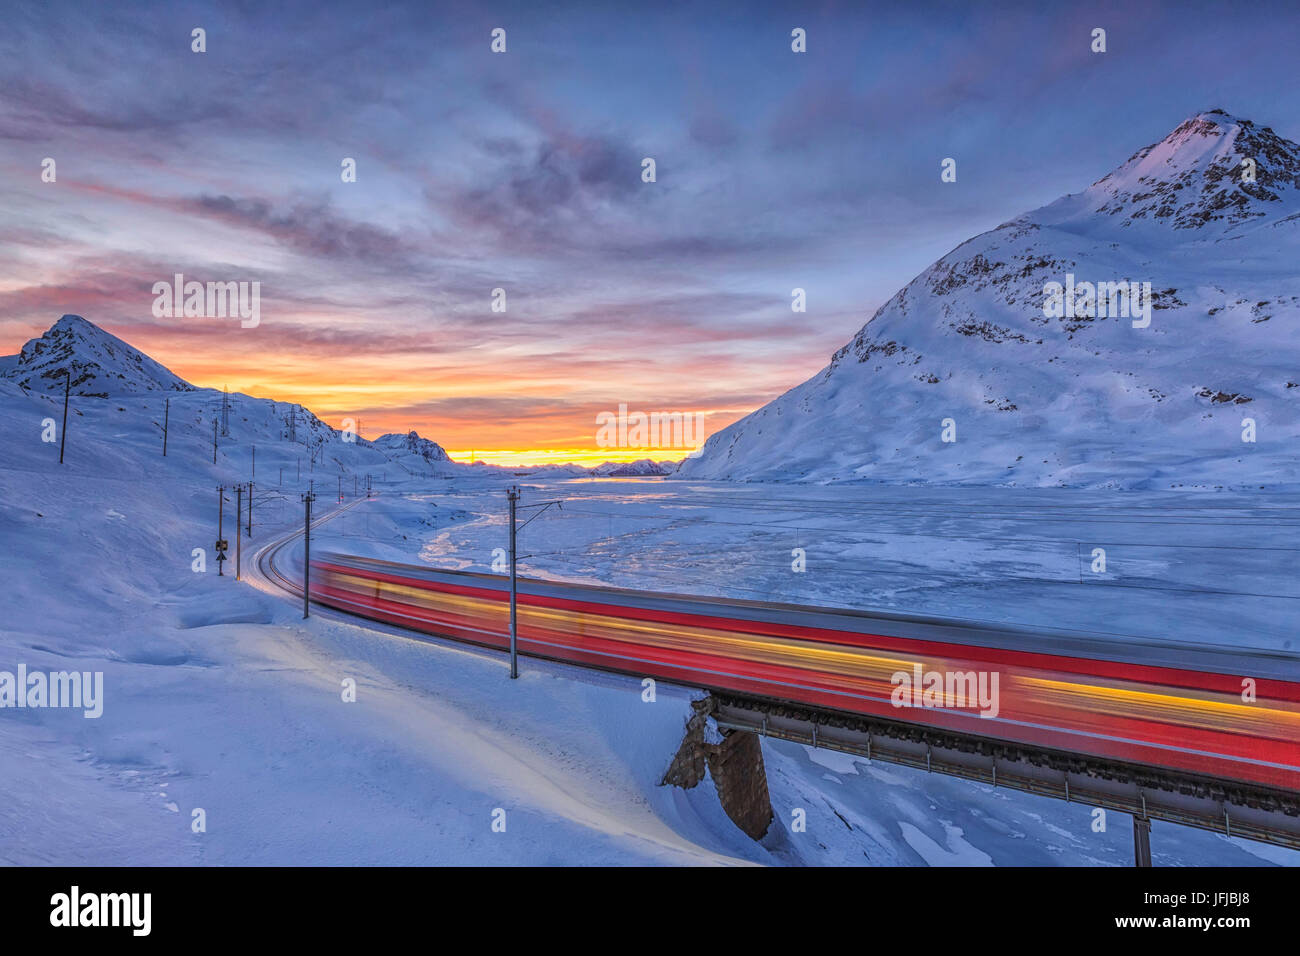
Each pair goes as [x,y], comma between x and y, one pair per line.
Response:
[100,364]
[1213,168]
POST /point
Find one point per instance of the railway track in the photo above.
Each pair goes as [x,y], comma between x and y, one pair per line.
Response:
[274,578]
[640,633]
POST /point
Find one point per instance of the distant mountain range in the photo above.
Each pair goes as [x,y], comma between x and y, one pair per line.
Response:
[102,366]
[980,371]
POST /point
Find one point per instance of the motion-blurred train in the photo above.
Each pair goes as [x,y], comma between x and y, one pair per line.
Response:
[1210,711]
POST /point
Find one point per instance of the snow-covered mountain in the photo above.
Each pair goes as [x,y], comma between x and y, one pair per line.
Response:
[981,350]
[417,454]
[641,468]
[101,364]
[412,443]
[275,437]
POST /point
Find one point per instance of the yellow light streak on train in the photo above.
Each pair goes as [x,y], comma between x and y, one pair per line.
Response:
[858,666]
[1196,708]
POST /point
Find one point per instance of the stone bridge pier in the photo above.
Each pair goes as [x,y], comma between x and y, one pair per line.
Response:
[735,764]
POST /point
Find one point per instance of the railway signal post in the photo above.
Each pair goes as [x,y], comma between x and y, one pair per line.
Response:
[221,542]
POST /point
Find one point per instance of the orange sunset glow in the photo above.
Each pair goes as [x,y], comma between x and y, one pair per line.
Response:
[547,416]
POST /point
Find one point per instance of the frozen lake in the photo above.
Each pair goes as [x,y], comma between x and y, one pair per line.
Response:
[1202,567]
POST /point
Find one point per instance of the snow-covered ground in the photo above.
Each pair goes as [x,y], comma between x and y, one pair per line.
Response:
[219,697]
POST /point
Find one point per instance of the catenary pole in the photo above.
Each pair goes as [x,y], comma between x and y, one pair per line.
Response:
[221,498]
[63,432]
[306,559]
[239,537]
[513,495]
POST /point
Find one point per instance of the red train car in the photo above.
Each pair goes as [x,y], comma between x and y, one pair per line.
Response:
[1203,710]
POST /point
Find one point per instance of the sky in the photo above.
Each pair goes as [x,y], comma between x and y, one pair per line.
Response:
[523,171]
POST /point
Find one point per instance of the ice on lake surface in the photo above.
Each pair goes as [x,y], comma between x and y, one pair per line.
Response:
[1215,568]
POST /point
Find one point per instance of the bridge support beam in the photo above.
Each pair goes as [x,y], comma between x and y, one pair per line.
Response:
[735,764]
[1141,841]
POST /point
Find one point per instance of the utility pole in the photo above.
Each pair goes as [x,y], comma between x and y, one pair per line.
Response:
[167,411]
[307,499]
[250,509]
[512,494]
[239,538]
[221,543]
[63,432]
[340,487]
[225,413]
[214,441]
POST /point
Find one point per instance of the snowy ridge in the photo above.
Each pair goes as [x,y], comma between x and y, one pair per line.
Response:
[640,468]
[289,435]
[1080,400]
